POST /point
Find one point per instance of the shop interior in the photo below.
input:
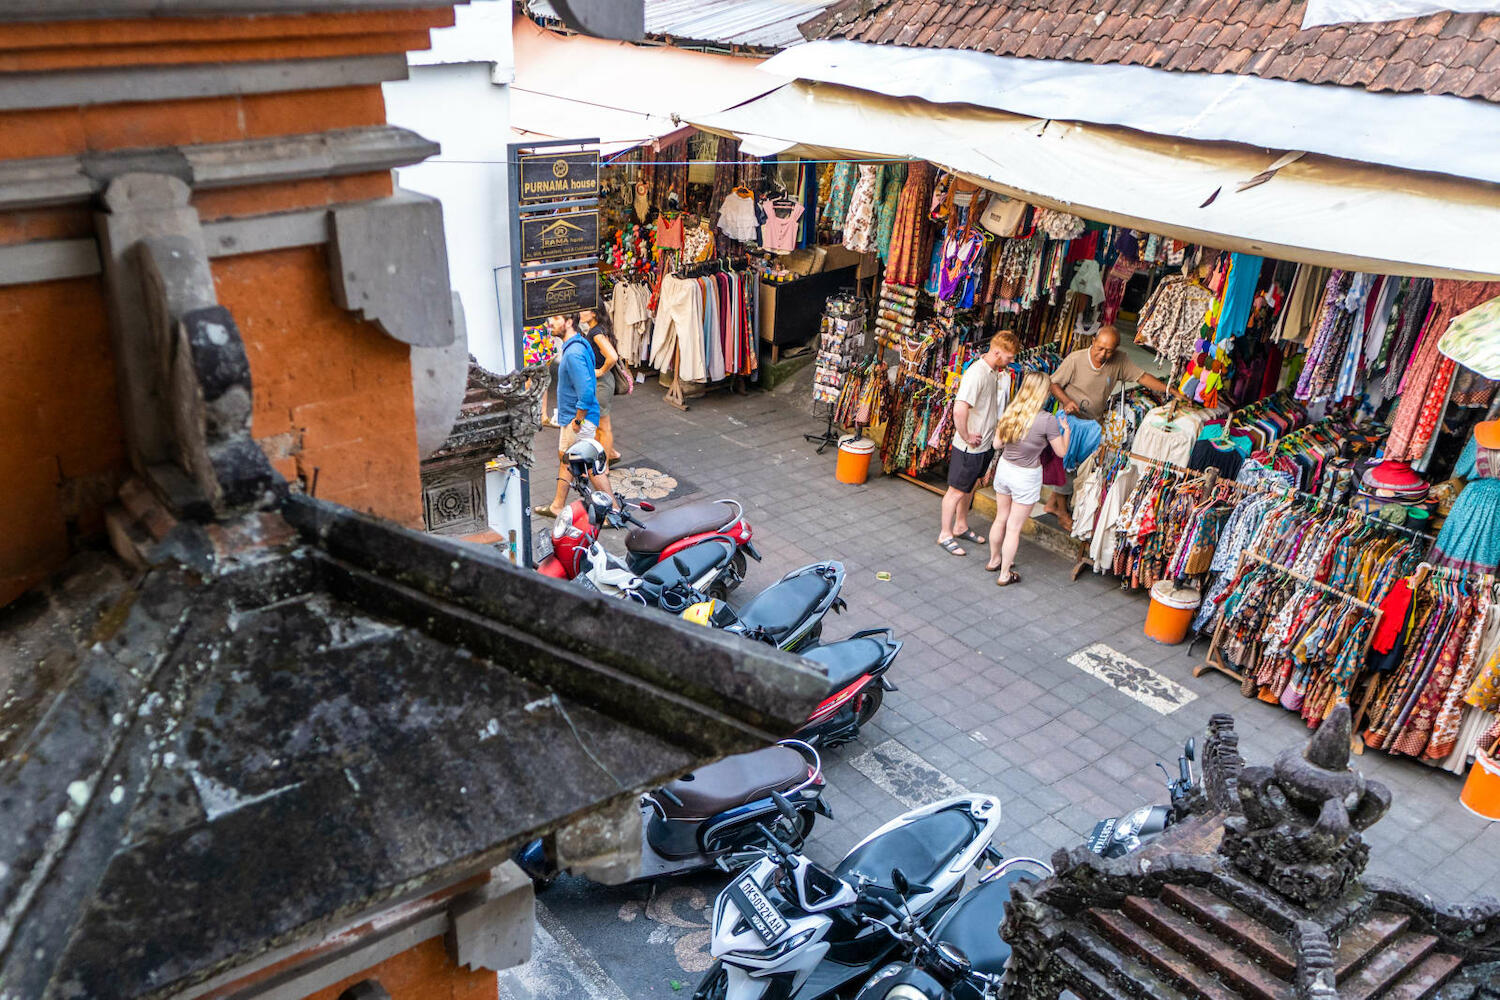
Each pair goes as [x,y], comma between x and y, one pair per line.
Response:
[1318,500]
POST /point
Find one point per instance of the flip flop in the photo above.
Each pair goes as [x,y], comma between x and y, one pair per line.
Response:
[968,535]
[1014,578]
[544,511]
[951,544]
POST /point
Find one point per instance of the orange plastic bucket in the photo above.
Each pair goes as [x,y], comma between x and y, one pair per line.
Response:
[854,459]
[1481,794]
[1171,612]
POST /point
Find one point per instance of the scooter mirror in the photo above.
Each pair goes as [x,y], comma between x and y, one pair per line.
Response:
[1190,749]
[899,882]
[787,812]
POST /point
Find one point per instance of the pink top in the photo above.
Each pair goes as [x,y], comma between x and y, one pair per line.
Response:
[779,232]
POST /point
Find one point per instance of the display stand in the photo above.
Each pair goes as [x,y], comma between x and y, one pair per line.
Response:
[830,435]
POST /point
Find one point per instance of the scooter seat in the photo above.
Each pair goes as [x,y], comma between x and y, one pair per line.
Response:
[667,526]
[847,659]
[686,566]
[972,925]
[783,606]
[733,781]
[920,849]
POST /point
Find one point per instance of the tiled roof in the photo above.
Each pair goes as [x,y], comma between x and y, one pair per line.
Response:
[1443,53]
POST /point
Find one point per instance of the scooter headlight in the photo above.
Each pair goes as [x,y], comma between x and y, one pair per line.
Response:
[563,528]
[905,991]
[772,954]
[1130,826]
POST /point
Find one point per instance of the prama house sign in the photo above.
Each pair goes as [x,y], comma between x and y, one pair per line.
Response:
[569,236]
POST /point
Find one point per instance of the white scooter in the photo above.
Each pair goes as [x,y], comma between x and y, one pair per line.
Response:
[788,929]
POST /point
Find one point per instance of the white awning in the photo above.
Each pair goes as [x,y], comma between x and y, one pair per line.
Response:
[574,86]
[1433,132]
[1317,209]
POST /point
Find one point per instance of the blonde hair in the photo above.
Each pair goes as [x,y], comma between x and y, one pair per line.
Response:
[1023,409]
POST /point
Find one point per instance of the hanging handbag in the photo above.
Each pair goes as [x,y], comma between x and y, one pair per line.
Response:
[1004,216]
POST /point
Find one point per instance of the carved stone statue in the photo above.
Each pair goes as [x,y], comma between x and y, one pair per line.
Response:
[1299,832]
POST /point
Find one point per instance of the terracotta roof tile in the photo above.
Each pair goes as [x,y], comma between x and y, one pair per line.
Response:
[1232,62]
[1441,53]
[1394,74]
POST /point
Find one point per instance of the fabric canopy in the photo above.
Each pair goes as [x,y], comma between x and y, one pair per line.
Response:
[1473,339]
[1316,209]
[575,87]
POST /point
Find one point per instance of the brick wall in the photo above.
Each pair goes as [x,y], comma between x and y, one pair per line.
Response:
[62,453]
[332,392]
[421,973]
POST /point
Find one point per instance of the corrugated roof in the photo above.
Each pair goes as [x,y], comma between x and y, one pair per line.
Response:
[1442,53]
[765,24]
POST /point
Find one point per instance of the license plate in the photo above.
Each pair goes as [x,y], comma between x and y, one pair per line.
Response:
[543,548]
[757,910]
[1099,839]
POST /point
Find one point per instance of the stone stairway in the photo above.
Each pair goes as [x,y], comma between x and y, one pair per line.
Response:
[1191,945]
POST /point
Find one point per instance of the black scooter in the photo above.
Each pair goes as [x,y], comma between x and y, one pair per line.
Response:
[963,957]
[714,817]
[1117,837]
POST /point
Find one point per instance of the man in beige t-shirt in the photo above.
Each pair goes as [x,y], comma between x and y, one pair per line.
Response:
[976,408]
[1082,384]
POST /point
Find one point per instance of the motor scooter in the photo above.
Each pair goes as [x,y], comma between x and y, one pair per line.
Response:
[963,957]
[1117,837]
[788,614]
[711,817]
[790,929]
[662,534]
[707,566]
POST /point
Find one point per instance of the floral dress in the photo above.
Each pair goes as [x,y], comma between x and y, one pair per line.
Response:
[859,225]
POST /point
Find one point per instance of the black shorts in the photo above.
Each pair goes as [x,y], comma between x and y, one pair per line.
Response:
[965,468]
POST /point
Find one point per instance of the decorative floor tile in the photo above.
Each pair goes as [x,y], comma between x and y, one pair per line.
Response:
[1132,679]
[908,778]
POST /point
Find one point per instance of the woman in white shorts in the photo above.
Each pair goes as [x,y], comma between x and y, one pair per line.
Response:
[1021,434]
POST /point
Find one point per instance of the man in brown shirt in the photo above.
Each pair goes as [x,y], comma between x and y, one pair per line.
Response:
[1082,384]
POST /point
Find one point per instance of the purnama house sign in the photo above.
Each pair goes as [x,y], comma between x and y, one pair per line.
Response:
[560,237]
[561,292]
[559,176]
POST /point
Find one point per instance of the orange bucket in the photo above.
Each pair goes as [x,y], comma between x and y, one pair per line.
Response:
[1171,612]
[854,459]
[1481,794]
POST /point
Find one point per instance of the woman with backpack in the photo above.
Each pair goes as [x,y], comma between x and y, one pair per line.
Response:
[608,370]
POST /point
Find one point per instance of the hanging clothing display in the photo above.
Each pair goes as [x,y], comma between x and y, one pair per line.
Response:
[737,215]
[859,224]
[705,326]
[911,235]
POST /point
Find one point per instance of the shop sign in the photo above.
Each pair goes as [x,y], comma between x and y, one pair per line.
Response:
[561,292]
[569,236]
[559,176]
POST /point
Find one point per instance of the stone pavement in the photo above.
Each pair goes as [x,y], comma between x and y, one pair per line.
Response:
[989,699]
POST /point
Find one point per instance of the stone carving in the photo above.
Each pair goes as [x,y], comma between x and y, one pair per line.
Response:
[1302,817]
[1315,965]
[390,265]
[1222,763]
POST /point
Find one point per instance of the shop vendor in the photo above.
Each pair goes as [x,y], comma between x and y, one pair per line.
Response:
[1082,385]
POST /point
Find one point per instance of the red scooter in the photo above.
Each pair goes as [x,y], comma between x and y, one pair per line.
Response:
[652,540]
[670,531]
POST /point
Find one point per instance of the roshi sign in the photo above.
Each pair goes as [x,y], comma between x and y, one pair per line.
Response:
[562,292]
[559,176]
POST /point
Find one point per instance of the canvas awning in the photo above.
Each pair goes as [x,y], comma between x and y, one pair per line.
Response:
[1317,209]
[573,86]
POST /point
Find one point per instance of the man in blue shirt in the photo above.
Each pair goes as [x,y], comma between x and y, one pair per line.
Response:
[577,403]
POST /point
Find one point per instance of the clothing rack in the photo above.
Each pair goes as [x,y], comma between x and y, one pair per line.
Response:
[714,265]
[1214,661]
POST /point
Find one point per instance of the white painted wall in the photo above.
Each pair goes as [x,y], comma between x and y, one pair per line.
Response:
[458,96]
